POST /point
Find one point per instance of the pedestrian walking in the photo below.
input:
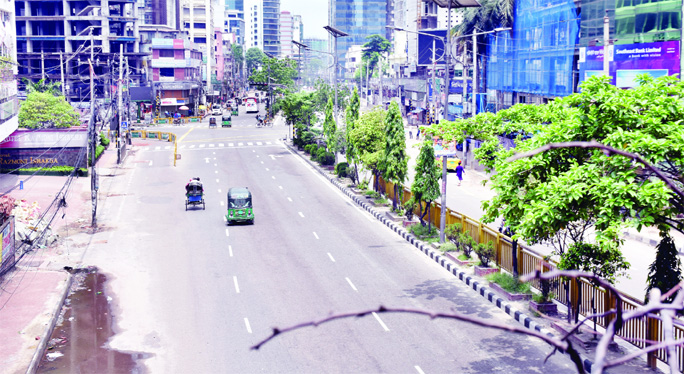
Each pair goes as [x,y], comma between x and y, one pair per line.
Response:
[459,172]
[410,134]
[418,134]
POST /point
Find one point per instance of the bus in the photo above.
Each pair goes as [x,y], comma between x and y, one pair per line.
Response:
[252,104]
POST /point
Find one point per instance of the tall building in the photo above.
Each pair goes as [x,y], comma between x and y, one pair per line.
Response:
[254,23]
[297,28]
[9,102]
[359,19]
[175,65]
[271,23]
[46,30]
[234,19]
[286,34]
[199,24]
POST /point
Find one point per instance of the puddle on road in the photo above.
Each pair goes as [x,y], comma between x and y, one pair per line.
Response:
[84,327]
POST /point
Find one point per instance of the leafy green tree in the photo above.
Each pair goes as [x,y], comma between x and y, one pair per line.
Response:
[395,160]
[275,71]
[666,270]
[298,108]
[254,57]
[45,110]
[352,115]
[542,195]
[425,185]
[368,137]
[323,91]
[42,85]
[330,129]
[238,55]
[607,264]
[373,49]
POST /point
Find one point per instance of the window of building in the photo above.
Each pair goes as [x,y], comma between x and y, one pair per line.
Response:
[200,25]
[166,72]
[166,53]
[200,40]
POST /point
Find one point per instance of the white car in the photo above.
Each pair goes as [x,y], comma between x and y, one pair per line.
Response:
[216,111]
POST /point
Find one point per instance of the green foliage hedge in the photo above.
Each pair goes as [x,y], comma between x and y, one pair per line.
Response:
[509,283]
[342,169]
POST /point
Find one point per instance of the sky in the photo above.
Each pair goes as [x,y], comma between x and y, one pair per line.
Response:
[314,15]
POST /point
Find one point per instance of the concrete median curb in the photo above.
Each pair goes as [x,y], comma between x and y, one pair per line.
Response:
[485,292]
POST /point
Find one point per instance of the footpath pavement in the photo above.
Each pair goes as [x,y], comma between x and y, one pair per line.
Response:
[31,295]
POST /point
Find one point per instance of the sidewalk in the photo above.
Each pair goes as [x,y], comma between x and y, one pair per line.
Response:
[31,295]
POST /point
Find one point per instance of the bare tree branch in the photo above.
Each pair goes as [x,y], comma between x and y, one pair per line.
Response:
[558,344]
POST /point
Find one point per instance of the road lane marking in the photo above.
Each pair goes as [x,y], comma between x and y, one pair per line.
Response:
[273,176]
[215,164]
[150,163]
[268,143]
[351,284]
[221,145]
[184,135]
[167,147]
[227,233]
[267,169]
[217,181]
[192,146]
[316,235]
[262,162]
[202,145]
[272,157]
[301,214]
[211,145]
[231,144]
[157,148]
[230,249]
[331,257]
[258,143]
[419,370]
[380,321]
[215,171]
[219,190]
[237,288]
[250,143]
[239,144]
[281,187]
[221,202]
[289,199]
[249,328]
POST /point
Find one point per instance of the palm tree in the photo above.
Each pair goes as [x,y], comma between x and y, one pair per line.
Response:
[43,86]
[491,15]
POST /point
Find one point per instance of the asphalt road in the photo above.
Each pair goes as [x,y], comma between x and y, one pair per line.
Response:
[194,295]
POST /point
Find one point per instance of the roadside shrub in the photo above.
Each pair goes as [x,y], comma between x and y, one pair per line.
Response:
[324,157]
[453,231]
[341,169]
[448,247]
[104,141]
[467,243]
[409,207]
[485,252]
[423,231]
[509,283]
[310,148]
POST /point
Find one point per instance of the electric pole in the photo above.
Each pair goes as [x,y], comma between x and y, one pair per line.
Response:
[61,71]
[42,65]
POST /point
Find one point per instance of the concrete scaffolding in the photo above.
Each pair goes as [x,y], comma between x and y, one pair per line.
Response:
[50,31]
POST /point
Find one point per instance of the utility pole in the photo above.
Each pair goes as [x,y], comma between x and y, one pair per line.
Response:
[382,99]
[475,77]
[42,65]
[93,138]
[61,71]
[367,84]
[119,99]
[434,73]
[607,45]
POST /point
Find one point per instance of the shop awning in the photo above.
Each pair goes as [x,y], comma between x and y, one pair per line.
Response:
[417,110]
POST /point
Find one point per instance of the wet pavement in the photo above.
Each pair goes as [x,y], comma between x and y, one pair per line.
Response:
[78,343]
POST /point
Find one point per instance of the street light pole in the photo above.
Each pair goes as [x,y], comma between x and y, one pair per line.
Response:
[335,34]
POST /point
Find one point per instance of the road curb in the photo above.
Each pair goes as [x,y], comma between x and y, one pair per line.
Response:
[483,291]
[45,337]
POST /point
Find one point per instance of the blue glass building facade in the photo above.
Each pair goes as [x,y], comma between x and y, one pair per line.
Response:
[359,19]
[272,27]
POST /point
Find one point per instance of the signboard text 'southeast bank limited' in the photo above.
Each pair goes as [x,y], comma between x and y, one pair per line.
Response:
[27,148]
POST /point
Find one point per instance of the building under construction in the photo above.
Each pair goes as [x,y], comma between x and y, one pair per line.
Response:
[71,31]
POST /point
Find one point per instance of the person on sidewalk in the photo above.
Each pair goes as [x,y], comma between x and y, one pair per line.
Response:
[459,172]
[410,134]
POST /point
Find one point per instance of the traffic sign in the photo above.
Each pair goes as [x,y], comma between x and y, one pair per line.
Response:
[124,125]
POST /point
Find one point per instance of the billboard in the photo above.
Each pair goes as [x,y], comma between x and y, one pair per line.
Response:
[425,46]
[7,252]
[656,59]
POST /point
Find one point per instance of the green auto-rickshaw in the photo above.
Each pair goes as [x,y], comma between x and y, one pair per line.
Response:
[239,205]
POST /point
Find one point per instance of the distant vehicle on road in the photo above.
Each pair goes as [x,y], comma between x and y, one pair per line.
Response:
[216,111]
[252,105]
